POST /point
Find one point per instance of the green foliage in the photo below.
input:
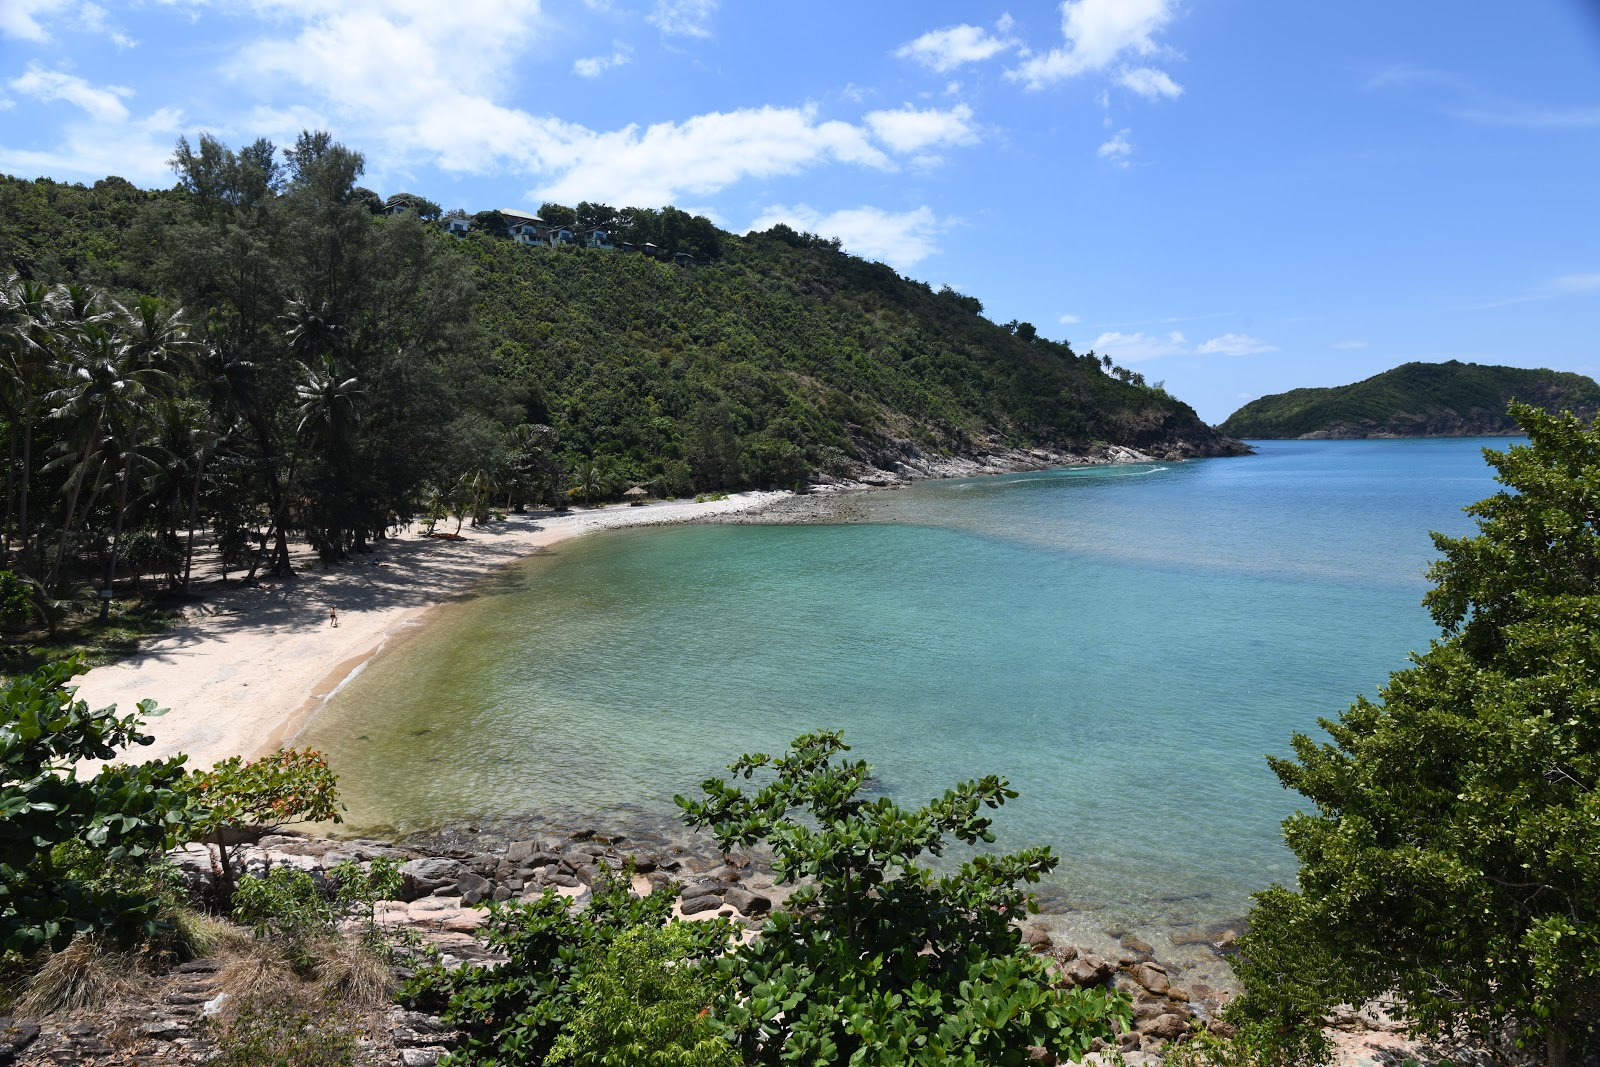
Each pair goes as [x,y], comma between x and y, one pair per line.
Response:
[287,786]
[875,961]
[16,600]
[278,1034]
[1453,855]
[1406,399]
[290,907]
[513,1015]
[1255,1044]
[646,1005]
[126,815]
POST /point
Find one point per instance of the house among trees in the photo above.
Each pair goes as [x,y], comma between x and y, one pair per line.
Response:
[526,228]
[596,237]
[456,226]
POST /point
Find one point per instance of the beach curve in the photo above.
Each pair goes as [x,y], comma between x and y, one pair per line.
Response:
[248,667]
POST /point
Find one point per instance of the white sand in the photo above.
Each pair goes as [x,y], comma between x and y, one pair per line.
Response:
[247,668]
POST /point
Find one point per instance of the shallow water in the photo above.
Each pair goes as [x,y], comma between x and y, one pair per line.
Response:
[1123,643]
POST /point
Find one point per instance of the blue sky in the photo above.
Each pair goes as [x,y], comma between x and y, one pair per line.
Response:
[1234,198]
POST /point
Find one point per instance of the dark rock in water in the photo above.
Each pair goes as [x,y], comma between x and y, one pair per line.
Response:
[1141,949]
[746,902]
[423,876]
[1037,938]
[700,904]
[586,834]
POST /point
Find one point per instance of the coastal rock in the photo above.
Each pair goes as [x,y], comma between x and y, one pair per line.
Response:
[473,887]
[1166,1027]
[746,902]
[703,889]
[425,876]
[697,905]
[1037,938]
[1087,971]
[1152,976]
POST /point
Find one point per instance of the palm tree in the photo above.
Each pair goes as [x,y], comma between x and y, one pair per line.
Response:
[588,479]
[30,332]
[111,386]
[329,411]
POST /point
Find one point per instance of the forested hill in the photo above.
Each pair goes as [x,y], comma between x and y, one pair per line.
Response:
[781,355]
[1450,399]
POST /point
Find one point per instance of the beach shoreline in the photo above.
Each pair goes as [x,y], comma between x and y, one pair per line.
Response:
[247,668]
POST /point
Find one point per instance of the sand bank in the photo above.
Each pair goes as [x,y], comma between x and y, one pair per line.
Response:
[249,664]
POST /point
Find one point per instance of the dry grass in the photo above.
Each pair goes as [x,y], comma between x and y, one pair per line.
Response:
[349,971]
[82,975]
[260,975]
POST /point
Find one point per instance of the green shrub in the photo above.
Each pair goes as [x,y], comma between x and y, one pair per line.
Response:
[875,961]
[513,1015]
[1254,1044]
[646,1005]
[124,817]
[289,907]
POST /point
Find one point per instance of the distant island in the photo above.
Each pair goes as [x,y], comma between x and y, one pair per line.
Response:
[1451,399]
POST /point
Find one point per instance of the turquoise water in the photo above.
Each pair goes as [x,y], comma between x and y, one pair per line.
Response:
[1125,644]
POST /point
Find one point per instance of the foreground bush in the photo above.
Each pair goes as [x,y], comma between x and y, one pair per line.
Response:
[564,969]
[1453,855]
[76,854]
[875,961]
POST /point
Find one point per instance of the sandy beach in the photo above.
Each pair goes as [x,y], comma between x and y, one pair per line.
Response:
[250,664]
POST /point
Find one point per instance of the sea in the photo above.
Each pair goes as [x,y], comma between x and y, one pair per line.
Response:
[1124,644]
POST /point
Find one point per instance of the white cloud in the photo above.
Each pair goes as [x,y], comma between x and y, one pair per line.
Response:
[699,156]
[25,18]
[1118,149]
[137,150]
[910,130]
[945,50]
[683,18]
[1235,344]
[594,66]
[1150,83]
[900,239]
[103,103]
[1069,320]
[1135,347]
[6,103]
[1348,344]
[1097,33]
[1576,283]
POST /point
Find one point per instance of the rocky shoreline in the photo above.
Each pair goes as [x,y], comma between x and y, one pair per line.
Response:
[442,908]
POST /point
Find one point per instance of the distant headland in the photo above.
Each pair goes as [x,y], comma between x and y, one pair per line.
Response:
[1451,399]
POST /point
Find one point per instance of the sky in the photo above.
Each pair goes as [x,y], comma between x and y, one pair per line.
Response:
[1232,198]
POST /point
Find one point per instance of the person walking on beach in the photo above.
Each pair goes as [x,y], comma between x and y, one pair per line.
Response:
[333,616]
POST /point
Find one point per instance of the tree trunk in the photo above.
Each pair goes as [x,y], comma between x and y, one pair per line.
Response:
[116,538]
[194,518]
[72,504]
[22,497]
[11,491]
[1558,1047]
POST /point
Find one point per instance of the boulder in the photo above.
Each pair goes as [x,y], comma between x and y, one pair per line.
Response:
[1166,1027]
[1037,938]
[424,876]
[1087,971]
[1151,976]
[746,902]
[473,887]
[699,904]
[703,889]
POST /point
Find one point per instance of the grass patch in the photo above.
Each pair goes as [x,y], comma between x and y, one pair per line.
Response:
[131,622]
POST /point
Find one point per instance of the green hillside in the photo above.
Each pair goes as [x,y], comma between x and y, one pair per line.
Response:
[270,352]
[781,356]
[1451,399]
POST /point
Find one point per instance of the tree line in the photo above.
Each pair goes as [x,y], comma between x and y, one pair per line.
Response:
[310,371]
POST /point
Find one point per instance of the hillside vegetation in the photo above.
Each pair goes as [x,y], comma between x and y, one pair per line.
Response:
[1450,399]
[270,352]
